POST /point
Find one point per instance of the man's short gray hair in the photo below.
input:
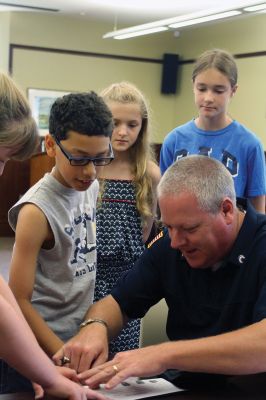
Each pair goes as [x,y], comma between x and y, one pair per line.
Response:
[204,177]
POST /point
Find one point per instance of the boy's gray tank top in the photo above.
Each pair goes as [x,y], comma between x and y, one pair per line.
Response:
[65,275]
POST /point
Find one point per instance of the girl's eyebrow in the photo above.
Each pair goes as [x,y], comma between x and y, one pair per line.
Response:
[220,86]
[131,120]
[216,86]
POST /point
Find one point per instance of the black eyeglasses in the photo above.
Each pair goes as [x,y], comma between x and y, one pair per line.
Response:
[81,161]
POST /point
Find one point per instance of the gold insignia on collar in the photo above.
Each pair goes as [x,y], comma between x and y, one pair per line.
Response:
[155,239]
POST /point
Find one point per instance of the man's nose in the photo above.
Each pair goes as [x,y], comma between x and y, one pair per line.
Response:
[177,239]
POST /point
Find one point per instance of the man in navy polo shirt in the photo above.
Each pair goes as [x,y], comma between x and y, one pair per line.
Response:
[210,267]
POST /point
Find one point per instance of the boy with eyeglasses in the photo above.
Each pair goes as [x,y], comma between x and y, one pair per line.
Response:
[53,266]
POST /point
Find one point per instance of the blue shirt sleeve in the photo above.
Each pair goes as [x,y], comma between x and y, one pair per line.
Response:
[256,172]
[141,287]
[167,152]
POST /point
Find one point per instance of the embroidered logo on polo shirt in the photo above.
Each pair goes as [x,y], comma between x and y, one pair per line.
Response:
[241,258]
[155,239]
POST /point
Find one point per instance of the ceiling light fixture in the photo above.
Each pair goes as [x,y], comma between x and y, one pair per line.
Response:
[137,28]
[207,18]
[179,22]
[258,7]
[140,33]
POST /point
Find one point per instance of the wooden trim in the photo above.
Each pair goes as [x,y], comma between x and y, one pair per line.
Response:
[240,55]
[14,46]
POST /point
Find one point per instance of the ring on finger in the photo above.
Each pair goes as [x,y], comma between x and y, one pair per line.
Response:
[115,368]
[65,360]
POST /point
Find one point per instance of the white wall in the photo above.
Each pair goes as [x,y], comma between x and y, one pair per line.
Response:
[71,72]
[4,40]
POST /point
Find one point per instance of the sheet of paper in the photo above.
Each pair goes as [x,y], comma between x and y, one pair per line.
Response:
[135,388]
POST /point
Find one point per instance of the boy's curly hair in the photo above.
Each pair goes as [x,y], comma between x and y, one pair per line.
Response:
[85,113]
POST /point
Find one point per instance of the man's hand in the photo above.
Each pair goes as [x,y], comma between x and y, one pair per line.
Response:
[87,349]
[141,362]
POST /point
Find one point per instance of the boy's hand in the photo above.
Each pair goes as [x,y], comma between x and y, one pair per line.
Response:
[87,349]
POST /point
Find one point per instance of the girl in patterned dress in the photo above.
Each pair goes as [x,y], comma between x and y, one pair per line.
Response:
[128,202]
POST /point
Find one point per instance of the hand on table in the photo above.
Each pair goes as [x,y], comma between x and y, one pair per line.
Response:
[67,388]
[66,372]
[81,393]
[87,349]
[141,362]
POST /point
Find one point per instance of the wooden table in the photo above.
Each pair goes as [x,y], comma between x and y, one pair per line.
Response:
[252,387]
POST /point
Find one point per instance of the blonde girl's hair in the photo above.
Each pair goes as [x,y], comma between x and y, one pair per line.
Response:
[17,126]
[219,59]
[141,152]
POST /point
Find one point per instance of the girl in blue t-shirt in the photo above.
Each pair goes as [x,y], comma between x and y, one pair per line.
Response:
[214,133]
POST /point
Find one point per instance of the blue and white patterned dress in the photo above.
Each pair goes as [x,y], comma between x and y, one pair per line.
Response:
[119,245]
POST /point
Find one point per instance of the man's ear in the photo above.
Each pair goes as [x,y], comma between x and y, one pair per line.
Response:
[50,145]
[227,209]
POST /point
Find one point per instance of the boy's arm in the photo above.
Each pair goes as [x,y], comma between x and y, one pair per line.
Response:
[32,231]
